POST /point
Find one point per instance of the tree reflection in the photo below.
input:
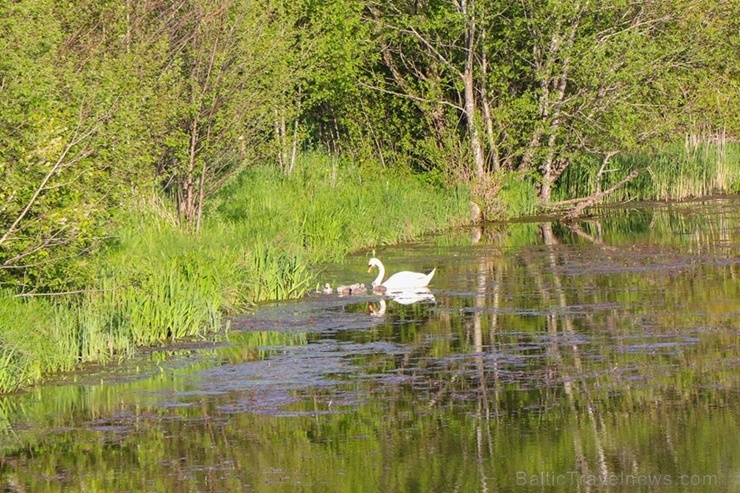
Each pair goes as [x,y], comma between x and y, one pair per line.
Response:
[600,348]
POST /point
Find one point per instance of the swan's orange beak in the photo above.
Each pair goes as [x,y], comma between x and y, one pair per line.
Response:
[369,268]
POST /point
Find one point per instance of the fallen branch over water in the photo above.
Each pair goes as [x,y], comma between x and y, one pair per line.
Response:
[585,202]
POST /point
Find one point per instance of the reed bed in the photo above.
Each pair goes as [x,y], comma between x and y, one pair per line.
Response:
[702,166]
[35,340]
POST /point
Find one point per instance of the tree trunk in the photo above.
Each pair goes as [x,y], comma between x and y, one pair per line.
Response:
[475,144]
[186,192]
[549,171]
[550,107]
[201,199]
[486,106]
[469,92]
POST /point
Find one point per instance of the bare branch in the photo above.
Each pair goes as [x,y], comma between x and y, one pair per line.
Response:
[433,50]
[412,97]
[585,202]
[42,186]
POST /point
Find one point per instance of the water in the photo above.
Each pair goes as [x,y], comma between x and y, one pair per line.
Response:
[601,356]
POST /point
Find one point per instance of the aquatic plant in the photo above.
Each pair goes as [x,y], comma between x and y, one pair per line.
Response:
[698,168]
[35,339]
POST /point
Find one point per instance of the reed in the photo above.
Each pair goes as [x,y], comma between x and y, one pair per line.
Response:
[35,339]
[703,166]
[273,274]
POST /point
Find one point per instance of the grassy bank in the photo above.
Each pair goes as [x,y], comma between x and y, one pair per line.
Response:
[263,238]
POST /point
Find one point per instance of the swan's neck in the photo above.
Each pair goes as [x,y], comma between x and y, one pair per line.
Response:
[381,274]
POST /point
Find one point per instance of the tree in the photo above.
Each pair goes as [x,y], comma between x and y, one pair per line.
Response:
[531,85]
[54,193]
[224,76]
[334,46]
[428,55]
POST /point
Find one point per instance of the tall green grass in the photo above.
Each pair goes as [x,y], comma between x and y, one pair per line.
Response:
[35,339]
[326,208]
[696,169]
[263,238]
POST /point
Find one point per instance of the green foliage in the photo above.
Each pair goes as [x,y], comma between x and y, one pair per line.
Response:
[72,148]
[232,64]
[554,80]
[334,39]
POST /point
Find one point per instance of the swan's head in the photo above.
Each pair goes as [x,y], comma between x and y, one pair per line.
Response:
[373,263]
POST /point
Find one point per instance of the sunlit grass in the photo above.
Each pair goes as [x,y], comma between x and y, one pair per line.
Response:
[675,173]
[264,238]
[35,339]
[325,209]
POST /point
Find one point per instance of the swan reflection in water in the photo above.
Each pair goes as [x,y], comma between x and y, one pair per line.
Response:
[402,297]
[411,296]
[380,311]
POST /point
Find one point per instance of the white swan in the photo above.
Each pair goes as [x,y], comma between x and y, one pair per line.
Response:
[399,280]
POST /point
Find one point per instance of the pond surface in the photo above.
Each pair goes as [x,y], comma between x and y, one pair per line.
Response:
[600,356]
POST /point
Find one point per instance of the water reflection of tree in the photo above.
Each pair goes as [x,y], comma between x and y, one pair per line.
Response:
[595,387]
[518,376]
[488,402]
[569,375]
